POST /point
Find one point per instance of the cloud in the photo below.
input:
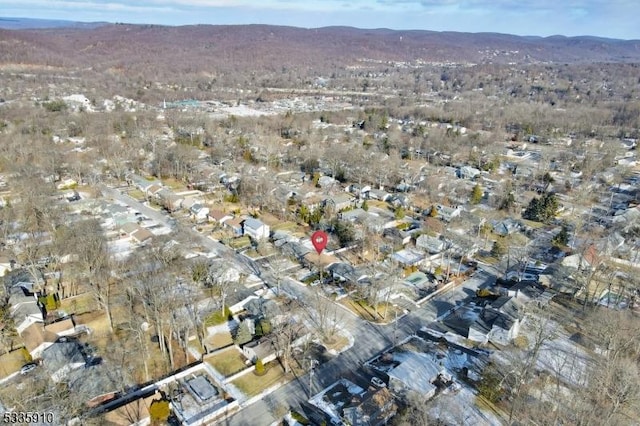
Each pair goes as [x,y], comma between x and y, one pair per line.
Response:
[614,18]
[83,5]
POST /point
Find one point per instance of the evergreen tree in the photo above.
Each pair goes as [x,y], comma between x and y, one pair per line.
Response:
[476,194]
[561,238]
[243,334]
[542,209]
[344,231]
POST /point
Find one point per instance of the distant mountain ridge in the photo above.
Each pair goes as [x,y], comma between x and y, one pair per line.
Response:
[30,23]
[153,49]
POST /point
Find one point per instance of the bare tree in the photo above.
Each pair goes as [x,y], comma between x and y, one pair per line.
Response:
[94,260]
[286,331]
[323,314]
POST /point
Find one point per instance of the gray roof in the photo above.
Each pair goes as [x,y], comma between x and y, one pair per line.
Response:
[252,223]
[431,244]
[94,381]
[354,215]
[408,257]
[63,352]
[264,308]
[416,373]
[347,272]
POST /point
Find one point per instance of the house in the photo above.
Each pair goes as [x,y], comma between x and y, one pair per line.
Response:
[506,227]
[235,225]
[447,213]
[154,190]
[415,374]
[262,349]
[430,244]
[408,257]
[143,184]
[589,259]
[284,194]
[141,235]
[219,217]
[399,200]
[282,236]
[169,199]
[339,201]
[377,194]
[256,229]
[189,202]
[295,249]
[376,409]
[136,232]
[345,272]
[326,182]
[355,215]
[266,348]
[312,200]
[396,236]
[494,326]
[63,356]
[467,172]
[36,339]
[262,308]
[22,292]
[199,212]
[96,383]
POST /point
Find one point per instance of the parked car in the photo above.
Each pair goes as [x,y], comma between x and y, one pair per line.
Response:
[376,381]
[27,368]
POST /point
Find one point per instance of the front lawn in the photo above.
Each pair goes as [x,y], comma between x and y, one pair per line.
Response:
[240,242]
[228,362]
[385,312]
[252,385]
[11,362]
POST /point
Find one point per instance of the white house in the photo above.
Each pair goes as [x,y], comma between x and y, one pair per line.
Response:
[256,229]
[199,212]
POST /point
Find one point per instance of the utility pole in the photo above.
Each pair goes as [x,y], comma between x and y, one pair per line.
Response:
[395,326]
[312,364]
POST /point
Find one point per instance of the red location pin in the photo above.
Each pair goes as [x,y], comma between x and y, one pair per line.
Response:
[319,240]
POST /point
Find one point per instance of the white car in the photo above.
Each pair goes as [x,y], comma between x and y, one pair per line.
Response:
[376,381]
[27,368]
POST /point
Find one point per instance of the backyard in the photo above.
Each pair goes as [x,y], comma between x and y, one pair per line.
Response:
[218,340]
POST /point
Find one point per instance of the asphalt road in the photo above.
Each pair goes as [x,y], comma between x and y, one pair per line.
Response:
[370,339]
[163,218]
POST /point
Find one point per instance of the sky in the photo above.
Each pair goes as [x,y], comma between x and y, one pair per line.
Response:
[604,18]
